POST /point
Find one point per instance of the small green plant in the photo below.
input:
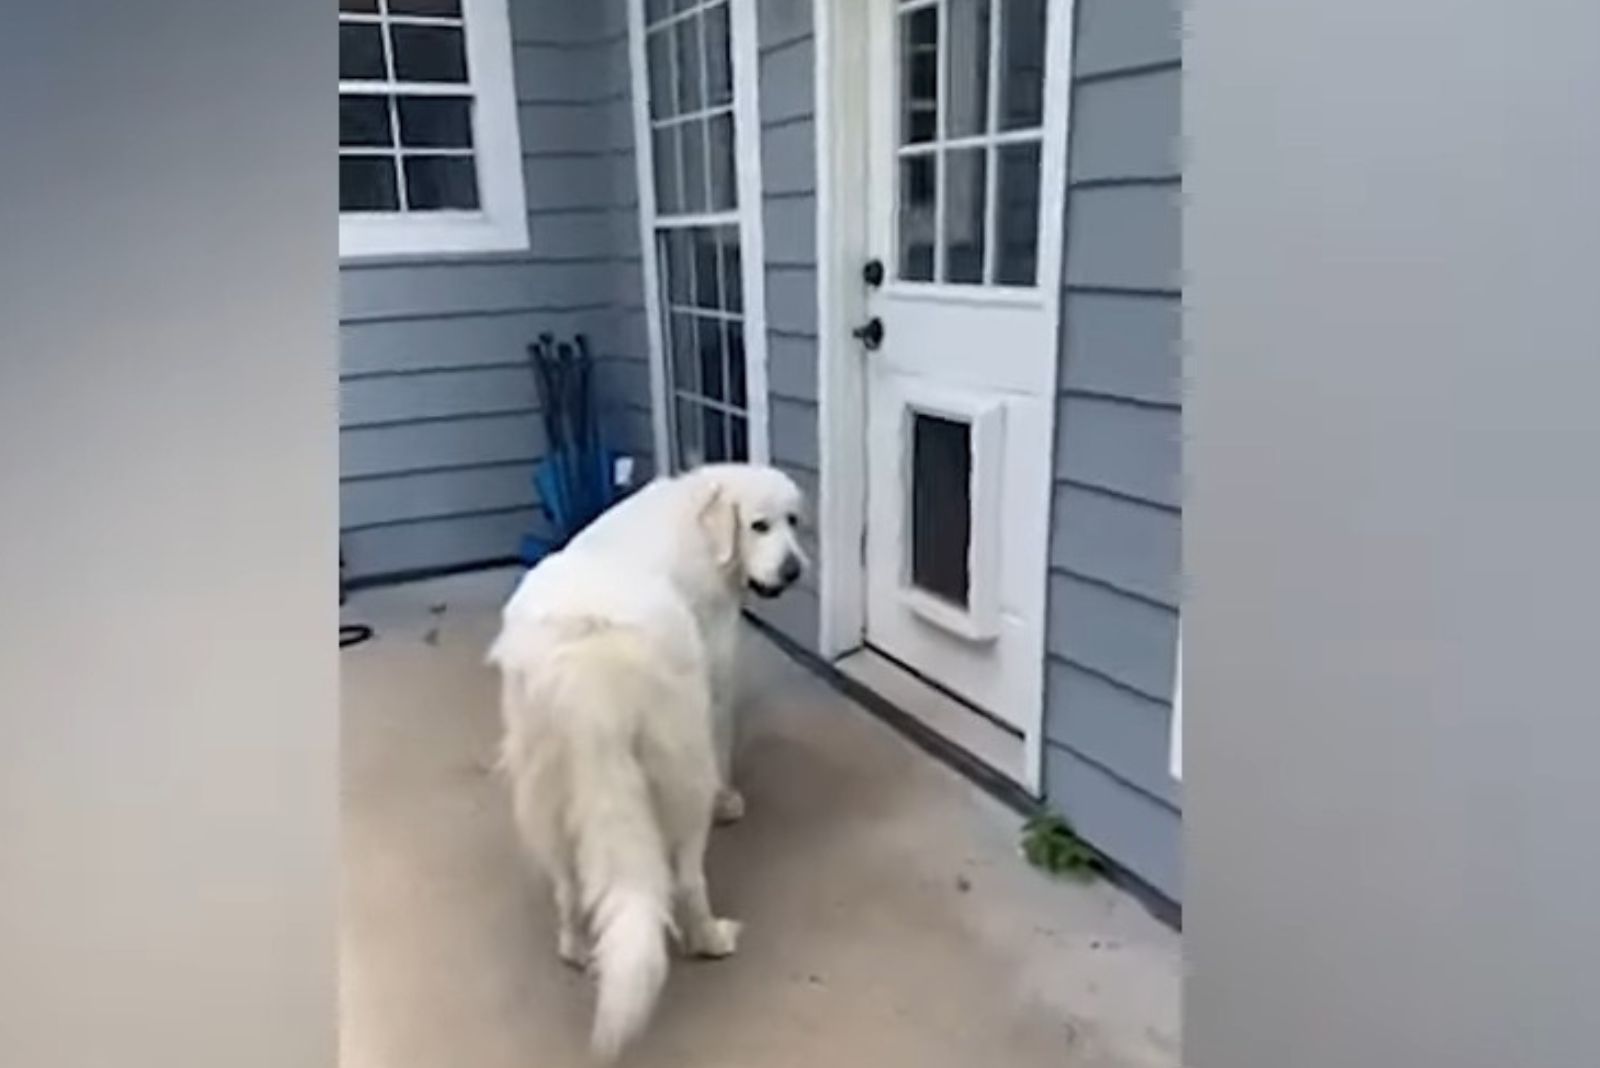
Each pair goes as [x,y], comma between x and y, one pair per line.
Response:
[1050,843]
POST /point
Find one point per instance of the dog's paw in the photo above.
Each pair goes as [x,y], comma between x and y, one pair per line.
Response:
[719,938]
[728,807]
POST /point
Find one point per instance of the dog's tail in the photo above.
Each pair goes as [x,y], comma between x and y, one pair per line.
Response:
[621,858]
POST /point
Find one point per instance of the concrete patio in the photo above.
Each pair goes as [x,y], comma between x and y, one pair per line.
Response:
[889,918]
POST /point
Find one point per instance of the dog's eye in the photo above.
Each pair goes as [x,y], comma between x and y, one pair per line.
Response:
[761,526]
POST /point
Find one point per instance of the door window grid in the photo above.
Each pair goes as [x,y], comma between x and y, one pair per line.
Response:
[399,61]
[968,177]
[696,227]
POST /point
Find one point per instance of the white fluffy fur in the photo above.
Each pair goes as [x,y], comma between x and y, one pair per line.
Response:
[616,658]
[712,532]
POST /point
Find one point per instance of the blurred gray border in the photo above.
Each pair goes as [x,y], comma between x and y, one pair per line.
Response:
[1392,533]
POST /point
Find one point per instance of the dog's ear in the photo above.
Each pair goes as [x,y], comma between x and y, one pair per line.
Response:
[719,519]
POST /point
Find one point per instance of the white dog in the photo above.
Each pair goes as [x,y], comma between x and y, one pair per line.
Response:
[608,750]
[616,658]
[713,532]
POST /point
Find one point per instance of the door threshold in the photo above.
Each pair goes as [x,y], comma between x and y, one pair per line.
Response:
[997,748]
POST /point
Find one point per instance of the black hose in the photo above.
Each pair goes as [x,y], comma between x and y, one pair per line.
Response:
[353,634]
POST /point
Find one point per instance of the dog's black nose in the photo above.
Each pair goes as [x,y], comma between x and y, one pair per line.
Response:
[791,570]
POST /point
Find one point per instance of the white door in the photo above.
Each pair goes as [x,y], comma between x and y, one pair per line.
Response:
[967,118]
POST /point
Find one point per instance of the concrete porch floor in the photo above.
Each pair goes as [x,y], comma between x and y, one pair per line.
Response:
[889,919]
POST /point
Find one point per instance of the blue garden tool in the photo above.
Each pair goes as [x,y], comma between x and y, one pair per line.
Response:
[574,480]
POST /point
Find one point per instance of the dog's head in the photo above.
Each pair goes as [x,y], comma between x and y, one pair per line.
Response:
[750,514]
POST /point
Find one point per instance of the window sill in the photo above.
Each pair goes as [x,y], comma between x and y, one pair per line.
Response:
[364,239]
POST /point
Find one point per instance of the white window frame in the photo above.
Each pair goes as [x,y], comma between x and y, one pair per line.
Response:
[501,223]
[745,57]
[1175,754]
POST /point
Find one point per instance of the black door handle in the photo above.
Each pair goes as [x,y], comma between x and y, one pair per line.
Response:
[869,333]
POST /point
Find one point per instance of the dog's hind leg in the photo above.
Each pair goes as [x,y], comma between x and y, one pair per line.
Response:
[704,934]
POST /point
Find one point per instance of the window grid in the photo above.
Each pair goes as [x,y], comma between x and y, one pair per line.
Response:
[392,88]
[941,146]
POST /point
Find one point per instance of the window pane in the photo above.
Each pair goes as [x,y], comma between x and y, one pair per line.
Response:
[736,366]
[1017,215]
[713,380]
[442,8]
[715,434]
[690,444]
[705,268]
[655,10]
[366,183]
[917,183]
[941,506]
[967,80]
[359,7]
[919,70]
[364,121]
[732,278]
[429,53]
[658,49]
[692,140]
[719,69]
[685,350]
[361,52]
[436,121]
[738,439]
[964,215]
[664,160]
[686,52]
[435,183]
[1021,63]
[724,190]
[679,247]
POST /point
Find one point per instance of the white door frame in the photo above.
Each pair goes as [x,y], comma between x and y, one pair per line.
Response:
[745,54]
[842,40]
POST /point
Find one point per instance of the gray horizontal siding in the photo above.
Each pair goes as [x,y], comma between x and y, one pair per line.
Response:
[789,218]
[1115,558]
[439,429]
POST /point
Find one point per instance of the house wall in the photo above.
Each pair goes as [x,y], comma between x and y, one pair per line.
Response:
[438,419]
[1114,548]
[789,217]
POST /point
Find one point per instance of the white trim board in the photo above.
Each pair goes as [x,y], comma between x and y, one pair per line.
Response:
[745,56]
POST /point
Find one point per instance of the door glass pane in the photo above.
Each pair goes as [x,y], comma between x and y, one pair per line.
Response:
[688,429]
[918,179]
[714,433]
[359,6]
[658,50]
[736,368]
[941,506]
[429,53]
[964,215]
[1022,25]
[723,191]
[919,75]
[692,143]
[433,8]
[738,439]
[680,267]
[967,78]
[713,377]
[685,354]
[719,69]
[705,267]
[664,160]
[1017,215]
[686,53]
[732,282]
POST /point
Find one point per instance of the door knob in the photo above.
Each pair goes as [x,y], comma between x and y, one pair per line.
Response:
[872,273]
[869,333]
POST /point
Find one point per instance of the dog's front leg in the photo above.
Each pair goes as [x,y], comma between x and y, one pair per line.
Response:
[724,722]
